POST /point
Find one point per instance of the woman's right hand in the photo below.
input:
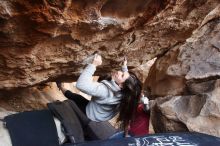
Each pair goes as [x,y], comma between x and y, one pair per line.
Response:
[97,60]
[125,61]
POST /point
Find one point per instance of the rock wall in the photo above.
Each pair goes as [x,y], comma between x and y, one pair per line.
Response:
[47,40]
[186,79]
[32,98]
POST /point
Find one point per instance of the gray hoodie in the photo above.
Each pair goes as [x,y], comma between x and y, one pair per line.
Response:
[103,105]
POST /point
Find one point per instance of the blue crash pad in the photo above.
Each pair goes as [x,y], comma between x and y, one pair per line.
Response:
[163,139]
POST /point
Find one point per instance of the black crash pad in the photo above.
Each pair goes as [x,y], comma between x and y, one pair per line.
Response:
[32,128]
[163,139]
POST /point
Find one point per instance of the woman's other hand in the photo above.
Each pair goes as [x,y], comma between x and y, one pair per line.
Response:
[97,60]
[125,62]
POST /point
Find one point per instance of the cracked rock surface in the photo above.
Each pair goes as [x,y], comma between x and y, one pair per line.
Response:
[48,40]
[186,79]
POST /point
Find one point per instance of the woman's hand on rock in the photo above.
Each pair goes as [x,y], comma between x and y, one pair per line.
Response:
[125,62]
[97,60]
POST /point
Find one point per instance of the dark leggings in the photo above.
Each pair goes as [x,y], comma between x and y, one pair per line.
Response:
[92,130]
[80,106]
[80,101]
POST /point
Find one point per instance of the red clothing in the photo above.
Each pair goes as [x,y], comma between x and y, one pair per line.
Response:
[140,125]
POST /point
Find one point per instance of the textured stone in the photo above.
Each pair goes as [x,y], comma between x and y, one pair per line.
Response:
[163,116]
[187,79]
[197,59]
[30,98]
[198,113]
[48,40]
[45,40]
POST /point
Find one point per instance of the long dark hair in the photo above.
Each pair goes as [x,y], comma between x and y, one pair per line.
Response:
[131,92]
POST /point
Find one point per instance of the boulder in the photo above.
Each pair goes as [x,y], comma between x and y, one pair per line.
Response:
[185,82]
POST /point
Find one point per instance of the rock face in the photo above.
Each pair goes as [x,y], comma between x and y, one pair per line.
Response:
[186,79]
[30,98]
[200,112]
[47,40]
[35,97]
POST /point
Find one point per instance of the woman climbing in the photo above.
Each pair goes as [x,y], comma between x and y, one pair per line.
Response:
[120,94]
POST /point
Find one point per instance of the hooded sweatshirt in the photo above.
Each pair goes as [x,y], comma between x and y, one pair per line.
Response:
[105,95]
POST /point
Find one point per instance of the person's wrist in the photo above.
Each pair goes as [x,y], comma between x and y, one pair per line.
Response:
[95,64]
